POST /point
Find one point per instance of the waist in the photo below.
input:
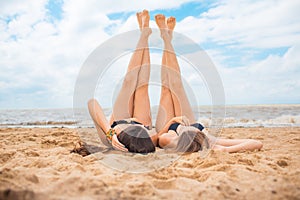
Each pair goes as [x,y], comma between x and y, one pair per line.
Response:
[115,123]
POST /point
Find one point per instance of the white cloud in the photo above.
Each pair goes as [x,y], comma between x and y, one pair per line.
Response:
[41,57]
[252,27]
[260,24]
[37,53]
[94,6]
[272,80]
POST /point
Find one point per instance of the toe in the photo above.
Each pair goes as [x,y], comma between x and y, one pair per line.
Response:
[159,16]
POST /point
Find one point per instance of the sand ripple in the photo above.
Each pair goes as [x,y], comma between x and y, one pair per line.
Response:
[37,164]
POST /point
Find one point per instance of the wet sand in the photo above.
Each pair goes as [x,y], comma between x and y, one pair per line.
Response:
[37,164]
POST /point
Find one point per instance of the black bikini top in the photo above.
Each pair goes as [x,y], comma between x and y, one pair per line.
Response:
[174,127]
[115,123]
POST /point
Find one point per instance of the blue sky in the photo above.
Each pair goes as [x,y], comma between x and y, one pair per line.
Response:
[255,46]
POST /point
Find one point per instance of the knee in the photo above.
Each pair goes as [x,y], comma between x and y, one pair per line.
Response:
[175,82]
[131,75]
[142,83]
[142,90]
[92,102]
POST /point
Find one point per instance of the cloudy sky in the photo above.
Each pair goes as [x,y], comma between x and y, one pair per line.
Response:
[255,46]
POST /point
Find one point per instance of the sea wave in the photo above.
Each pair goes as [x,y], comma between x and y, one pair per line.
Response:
[285,120]
[236,116]
[40,123]
[228,122]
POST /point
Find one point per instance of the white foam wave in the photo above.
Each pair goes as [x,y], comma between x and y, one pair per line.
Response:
[285,120]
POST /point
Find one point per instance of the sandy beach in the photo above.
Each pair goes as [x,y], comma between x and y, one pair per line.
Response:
[36,163]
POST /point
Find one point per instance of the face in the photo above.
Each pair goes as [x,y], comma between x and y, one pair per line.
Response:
[182,129]
[171,138]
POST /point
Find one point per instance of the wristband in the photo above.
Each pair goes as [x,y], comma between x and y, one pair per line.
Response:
[110,133]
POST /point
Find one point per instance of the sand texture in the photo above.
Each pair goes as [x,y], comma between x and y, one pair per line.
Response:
[37,164]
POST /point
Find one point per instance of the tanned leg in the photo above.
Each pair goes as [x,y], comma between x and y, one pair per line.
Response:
[166,109]
[181,103]
[123,107]
[141,102]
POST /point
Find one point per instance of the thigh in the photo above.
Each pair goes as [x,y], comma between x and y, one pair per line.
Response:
[141,101]
[181,102]
[123,106]
[182,106]
[142,110]
[165,110]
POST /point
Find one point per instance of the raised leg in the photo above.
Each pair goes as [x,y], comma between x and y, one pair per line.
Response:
[141,101]
[181,103]
[124,105]
[166,110]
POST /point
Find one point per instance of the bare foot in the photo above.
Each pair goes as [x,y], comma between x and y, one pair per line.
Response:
[139,18]
[171,22]
[161,23]
[145,19]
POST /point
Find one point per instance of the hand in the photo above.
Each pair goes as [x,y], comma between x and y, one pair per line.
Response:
[118,145]
[185,121]
[182,120]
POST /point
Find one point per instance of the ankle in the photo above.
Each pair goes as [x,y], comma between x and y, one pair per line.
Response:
[167,40]
[170,34]
[146,31]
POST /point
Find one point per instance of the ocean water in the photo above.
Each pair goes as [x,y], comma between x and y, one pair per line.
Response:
[235,116]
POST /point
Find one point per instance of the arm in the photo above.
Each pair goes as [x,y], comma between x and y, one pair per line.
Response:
[181,119]
[102,125]
[99,119]
[237,145]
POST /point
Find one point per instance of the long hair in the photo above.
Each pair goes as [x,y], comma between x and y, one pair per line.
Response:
[192,141]
[136,139]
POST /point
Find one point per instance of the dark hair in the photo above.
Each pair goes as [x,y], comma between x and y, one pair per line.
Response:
[136,139]
[192,141]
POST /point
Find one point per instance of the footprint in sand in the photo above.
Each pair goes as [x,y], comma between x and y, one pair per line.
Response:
[7,156]
[165,184]
[282,163]
[32,153]
[32,178]
[246,161]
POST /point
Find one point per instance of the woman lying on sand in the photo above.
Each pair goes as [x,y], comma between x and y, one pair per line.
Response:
[176,125]
[130,123]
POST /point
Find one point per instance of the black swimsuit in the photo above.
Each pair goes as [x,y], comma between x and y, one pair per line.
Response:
[174,127]
[115,123]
